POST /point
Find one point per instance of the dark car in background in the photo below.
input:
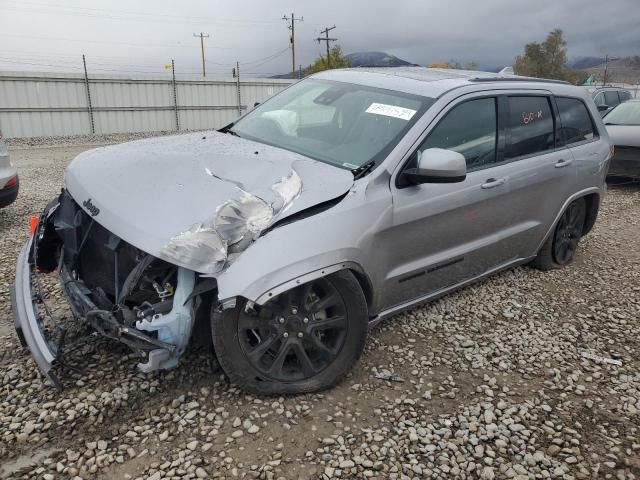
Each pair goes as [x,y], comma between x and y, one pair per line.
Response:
[606,98]
[8,177]
[623,125]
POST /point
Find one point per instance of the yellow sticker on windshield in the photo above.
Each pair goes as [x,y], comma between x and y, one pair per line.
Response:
[391,111]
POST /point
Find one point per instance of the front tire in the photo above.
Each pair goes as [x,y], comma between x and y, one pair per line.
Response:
[304,340]
[559,249]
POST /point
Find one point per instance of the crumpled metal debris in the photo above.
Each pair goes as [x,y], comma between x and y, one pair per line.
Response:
[236,218]
[235,225]
[389,376]
[199,247]
[598,358]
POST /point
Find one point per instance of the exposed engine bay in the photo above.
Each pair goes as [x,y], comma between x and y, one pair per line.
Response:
[122,292]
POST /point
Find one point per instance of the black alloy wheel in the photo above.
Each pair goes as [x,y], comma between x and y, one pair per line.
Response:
[568,233]
[297,335]
[304,340]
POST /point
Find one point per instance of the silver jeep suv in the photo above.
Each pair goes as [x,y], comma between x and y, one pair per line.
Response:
[347,198]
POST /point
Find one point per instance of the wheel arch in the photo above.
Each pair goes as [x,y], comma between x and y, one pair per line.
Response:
[355,268]
[593,206]
[365,284]
[592,198]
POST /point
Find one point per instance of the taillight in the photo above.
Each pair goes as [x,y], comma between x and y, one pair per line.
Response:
[34,220]
[612,151]
[12,181]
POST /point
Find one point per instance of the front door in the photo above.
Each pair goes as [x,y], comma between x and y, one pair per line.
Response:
[443,234]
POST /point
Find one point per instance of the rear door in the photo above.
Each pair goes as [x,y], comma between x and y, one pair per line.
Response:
[579,133]
[541,171]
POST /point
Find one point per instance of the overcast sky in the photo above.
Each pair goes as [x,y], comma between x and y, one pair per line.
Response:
[143,35]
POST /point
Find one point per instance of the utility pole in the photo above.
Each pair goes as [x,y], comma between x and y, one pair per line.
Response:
[606,65]
[175,93]
[86,85]
[326,39]
[202,37]
[291,22]
[237,75]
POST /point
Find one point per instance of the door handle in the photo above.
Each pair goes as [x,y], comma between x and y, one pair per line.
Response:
[493,183]
[563,163]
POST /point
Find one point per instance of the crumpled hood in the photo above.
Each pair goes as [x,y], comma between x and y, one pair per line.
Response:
[151,192]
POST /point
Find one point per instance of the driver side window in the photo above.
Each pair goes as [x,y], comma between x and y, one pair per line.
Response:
[470,129]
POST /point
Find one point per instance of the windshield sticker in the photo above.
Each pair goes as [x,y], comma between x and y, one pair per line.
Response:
[391,111]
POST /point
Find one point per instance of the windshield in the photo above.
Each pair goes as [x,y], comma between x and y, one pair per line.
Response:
[343,124]
[624,114]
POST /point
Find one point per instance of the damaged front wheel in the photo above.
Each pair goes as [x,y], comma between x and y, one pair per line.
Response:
[303,341]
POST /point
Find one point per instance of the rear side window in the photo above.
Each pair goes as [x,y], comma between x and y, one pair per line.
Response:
[611,98]
[577,125]
[624,95]
[470,129]
[599,100]
[531,127]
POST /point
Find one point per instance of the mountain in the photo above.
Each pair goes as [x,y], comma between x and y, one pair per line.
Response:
[366,59]
[377,59]
[286,76]
[585,62]
[619,70]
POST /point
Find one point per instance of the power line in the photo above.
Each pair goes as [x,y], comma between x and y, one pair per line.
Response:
[262,61]
[78,66]
[326,39]
[23,6]
[129,44]
[67,61]
[291,22]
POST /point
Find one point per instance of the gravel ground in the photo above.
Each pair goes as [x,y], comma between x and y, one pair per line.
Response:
[84,140]
[485,383]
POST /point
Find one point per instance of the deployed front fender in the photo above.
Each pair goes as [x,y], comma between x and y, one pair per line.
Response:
[261,273]
[301,251]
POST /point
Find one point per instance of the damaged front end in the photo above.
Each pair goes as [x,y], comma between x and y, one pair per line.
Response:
[122,292]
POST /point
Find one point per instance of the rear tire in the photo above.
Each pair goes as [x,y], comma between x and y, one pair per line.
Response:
[304,340]
[559,249]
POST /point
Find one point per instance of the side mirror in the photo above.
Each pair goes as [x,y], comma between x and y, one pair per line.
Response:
[256,104]
[437,165]
[603,108]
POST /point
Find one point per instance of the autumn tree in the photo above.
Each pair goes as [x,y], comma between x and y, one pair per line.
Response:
[454,64]
[546,60]
[336,60]
[439,65]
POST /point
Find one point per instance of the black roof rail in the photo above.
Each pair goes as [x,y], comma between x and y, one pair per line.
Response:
[516,79]
[609,86]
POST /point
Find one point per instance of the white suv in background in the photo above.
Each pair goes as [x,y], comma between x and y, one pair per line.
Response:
[8,177]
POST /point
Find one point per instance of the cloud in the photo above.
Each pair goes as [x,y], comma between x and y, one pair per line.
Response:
[142,36]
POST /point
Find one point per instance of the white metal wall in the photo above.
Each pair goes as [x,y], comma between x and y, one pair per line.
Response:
[52,104]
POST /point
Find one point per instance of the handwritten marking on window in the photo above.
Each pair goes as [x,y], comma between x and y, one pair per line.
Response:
[529,117]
